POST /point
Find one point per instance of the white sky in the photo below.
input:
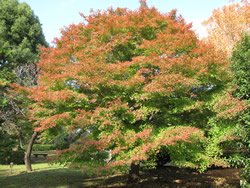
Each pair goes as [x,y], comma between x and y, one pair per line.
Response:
[55,14]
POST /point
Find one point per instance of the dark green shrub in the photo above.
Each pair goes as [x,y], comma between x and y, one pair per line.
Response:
[17,157]
[237,161]
[240,63]
[245,182]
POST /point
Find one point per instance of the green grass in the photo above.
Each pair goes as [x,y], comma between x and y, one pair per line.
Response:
[47,175]
[53,176]
[43,175]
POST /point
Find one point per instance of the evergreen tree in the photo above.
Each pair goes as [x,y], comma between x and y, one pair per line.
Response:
[20,38]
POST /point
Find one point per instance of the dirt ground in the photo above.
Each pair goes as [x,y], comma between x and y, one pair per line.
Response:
[173,177]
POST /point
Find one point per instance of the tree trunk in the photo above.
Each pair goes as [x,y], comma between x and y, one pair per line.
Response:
[134,173]
[28,152]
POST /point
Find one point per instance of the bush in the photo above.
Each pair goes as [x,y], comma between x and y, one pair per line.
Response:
[43,147]
[17,157]
[7,154]
[237,161]
[245,182]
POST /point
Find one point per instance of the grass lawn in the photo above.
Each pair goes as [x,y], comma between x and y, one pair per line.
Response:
[43,175]
[46,175]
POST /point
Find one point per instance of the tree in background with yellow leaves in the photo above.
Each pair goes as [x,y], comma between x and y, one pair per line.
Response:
[226,25]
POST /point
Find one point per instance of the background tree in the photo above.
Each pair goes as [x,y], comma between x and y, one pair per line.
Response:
[227,25]
[20,34]
[228,30]
[240,63]
[137,82]
[20,38]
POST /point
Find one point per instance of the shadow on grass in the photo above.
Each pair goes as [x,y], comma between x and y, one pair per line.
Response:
[62,177]
[162,177]
[173,177]
[183,177]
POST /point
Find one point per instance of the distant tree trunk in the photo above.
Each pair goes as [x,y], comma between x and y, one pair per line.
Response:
[134,173]
[28,152]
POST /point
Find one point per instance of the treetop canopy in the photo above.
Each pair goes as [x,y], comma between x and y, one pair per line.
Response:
[133,79]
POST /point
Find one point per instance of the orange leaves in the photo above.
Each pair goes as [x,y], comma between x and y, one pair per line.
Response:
[82,119]
[226,26]
[52,121]
[143,135]
[169,83]
[117,51]
[228,106]
[41,94]
[17,89]
[173,135]
[114,40]
[150,143]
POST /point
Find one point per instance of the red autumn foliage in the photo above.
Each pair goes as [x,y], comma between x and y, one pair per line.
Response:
[126,78]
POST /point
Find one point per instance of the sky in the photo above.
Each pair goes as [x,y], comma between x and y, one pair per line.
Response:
[55,14]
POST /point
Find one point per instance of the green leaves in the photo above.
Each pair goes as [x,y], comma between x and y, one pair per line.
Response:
[240,63]
[3,102]
[20,33]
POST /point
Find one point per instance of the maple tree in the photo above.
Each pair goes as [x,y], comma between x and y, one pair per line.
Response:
[227,25]
[135,82]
